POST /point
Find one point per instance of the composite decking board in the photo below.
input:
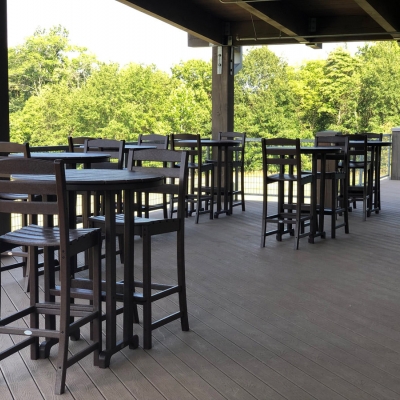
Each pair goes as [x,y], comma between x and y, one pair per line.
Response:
[290,341]
[321,307]
[232,318]
[43,371]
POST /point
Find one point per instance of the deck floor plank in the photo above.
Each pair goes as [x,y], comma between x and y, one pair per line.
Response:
[319,323]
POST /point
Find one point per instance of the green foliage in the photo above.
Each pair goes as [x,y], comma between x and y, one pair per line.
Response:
[264,103]
[379,104]
[45,59]
[57,89]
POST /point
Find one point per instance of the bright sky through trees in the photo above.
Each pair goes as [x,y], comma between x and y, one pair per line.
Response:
[115,32]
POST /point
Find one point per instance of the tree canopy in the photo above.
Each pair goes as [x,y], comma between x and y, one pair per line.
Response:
[58,89]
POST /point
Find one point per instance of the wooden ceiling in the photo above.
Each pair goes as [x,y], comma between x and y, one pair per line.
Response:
[254,22]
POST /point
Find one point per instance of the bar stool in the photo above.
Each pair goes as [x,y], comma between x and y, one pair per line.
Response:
[7,148]
[160,142]
[68,242]
[339,181]
[175,184]
[359,162]
[282,166]
[199,196]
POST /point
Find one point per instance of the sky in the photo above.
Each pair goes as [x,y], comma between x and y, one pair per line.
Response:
[114,32]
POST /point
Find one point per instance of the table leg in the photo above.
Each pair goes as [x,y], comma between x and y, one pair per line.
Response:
[317,220]
[219,178]
[112,346]
[322,197]
[220,163]
[129,285]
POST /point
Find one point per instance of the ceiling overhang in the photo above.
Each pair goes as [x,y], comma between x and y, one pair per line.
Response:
[256,22]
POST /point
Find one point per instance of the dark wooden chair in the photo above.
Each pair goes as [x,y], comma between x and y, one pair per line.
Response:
[337,174]
[116,149]
[360,173]
[7,148]
[153,139]
[235,169]
[160,142]
[76,144]
[375,158]
[282,166]
[68,243]
[200,197]
[175,184]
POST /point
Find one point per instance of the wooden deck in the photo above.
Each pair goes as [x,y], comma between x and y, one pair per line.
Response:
[270,323]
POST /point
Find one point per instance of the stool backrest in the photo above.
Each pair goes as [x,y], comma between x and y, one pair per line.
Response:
[154,139]
[45,178]
[173,165]
[7,148]
[115,148]
[73,142]
[194,150]
[281,156]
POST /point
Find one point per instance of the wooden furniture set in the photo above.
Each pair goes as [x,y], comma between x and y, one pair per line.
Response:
[45,175]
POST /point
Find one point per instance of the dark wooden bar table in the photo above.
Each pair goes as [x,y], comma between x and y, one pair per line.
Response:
[110,182]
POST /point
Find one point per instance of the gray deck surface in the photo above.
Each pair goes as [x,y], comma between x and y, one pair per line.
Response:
[270,323]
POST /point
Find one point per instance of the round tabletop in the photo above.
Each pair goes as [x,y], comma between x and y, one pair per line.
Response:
[70,158]
[110,179]
[103,179]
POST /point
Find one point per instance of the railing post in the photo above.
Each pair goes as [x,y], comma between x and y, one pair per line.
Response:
[395,172]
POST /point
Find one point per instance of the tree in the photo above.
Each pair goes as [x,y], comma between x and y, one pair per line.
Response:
[307,85]
[45,58]
[379,104]
[264,102]
[340,91]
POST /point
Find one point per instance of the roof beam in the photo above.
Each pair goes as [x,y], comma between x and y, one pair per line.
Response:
[275,15]
[183,15]
[386,17]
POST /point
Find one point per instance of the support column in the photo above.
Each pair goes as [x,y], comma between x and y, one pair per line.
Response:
[222,90]
[4,106]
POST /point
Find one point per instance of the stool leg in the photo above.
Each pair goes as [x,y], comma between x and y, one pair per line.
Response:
[182,279]
[34,296]
[146,237]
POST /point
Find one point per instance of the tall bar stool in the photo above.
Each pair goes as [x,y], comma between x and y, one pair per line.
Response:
[175,184]
[360,173]
[115,148]
[68,242]
[160,142]
[75,144]
[282,166]
[375,158]
[200,197]
[7,148]
[338,177]
[235,169]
